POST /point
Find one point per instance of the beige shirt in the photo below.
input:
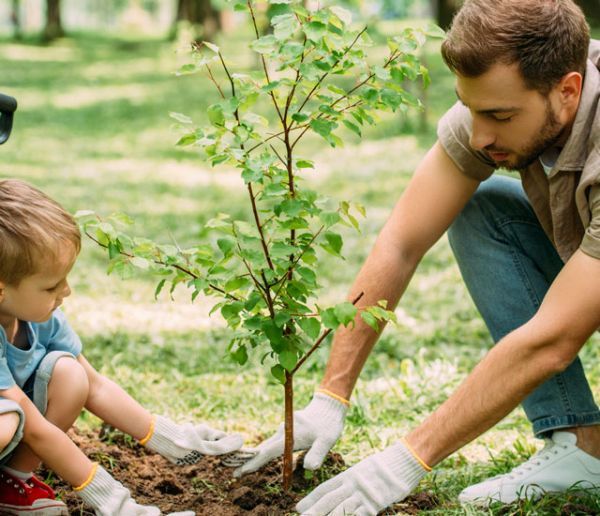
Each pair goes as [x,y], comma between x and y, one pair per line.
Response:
[567,200]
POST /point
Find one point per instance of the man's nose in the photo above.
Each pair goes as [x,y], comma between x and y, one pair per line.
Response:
[482,135]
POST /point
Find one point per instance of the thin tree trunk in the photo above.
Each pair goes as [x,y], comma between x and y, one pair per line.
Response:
[53,27]
[288,450]
[15,19]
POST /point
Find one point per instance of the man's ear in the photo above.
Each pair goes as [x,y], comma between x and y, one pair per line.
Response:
[569,90]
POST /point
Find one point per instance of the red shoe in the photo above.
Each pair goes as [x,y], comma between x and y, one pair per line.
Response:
[28,498]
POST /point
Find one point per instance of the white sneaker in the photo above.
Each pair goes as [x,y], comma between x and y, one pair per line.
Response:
[560,465]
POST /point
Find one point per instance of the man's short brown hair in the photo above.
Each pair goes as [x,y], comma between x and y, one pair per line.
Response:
[32,228]
[547,38]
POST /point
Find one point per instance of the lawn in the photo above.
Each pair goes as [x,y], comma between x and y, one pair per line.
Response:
[92,130]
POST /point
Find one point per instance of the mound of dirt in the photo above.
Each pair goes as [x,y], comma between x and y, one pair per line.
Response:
[208,487]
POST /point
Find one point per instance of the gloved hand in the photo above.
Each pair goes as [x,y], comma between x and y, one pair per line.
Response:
[108,497]
[317,428]
[188,443]
[367,487]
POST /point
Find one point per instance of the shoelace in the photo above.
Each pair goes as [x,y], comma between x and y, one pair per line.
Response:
[536,460]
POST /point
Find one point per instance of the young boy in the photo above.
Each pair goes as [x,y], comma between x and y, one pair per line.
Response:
[45,381]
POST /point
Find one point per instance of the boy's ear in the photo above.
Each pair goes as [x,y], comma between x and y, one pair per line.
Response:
[2,287]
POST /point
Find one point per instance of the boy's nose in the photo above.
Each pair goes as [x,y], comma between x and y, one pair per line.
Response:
[66,291]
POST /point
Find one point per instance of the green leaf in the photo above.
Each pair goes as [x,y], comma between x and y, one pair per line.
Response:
[240,355]
[230,312]
[265,45]
[226,245]
[114,250]
[322,127]
[300,117]
[345,312]
[285,25]
[370,319]
[288,359]
[159,287]
[304,163]
[282,250]
[329,319]
[140,263]
[215,115]
[310,326]
[187,139]
[237,283]
[315,30]
[353,127]
[308,275]
[240,6]
[334,243]
[278,373]
[343,14]
[329,218]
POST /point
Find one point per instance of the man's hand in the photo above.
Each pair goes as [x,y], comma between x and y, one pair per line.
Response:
[368,487]
[316,428]
[188,443]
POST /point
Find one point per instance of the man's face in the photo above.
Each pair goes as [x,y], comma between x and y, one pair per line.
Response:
[37,296]
[513,125]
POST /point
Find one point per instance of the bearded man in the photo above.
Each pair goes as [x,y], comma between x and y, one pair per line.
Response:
[528,85]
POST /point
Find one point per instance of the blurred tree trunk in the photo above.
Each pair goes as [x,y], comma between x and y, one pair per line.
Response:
[591,8]
[53,28]
[199,13]
[15,19]
[444,10]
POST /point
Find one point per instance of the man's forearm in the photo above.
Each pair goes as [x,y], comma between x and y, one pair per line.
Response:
[385,275]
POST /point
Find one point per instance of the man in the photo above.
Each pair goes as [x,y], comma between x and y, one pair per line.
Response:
[529,252]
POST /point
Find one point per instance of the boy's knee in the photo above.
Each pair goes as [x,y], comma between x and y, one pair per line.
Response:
[12,420]
[69,375]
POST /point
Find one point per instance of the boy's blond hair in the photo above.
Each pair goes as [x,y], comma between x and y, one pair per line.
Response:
[32,228]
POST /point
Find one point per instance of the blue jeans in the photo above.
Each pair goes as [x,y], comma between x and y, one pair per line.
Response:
[508,263]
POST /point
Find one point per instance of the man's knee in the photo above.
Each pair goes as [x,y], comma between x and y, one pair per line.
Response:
[496,200]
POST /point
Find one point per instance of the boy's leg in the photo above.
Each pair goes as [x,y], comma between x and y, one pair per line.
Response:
[60,389]
[508,264]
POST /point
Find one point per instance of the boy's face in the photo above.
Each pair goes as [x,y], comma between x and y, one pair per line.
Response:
[512,124]
[37,296]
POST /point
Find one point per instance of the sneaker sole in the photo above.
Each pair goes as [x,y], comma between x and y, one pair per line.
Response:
[49,509]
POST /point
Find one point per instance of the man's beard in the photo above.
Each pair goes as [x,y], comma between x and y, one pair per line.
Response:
[550,133]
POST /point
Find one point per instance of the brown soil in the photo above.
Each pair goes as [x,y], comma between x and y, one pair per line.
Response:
[207,487]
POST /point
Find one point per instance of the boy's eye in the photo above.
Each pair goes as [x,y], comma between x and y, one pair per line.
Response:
[502,118]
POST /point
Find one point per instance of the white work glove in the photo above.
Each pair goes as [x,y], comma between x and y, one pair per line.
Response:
[108,497]
[367,487]
[316,428]
[188,443]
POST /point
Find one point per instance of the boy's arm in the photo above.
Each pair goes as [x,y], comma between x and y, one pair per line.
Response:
[181,444]
[112,404]
[49,442]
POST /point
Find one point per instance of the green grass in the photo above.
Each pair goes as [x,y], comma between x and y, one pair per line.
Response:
[93,131]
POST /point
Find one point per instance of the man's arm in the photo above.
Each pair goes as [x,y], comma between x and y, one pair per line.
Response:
[434,197]
[521,361]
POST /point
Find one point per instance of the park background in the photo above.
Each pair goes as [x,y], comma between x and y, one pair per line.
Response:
[95,83]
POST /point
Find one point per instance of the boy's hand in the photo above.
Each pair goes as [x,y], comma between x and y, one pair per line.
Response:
[108,497]
[188,443]
[316,429]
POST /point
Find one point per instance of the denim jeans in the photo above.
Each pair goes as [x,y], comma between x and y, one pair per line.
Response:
[508,263]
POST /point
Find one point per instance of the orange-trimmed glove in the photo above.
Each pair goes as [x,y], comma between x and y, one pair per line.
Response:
[316,429]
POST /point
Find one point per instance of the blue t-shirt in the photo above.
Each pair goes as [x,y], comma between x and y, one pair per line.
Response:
[17,365]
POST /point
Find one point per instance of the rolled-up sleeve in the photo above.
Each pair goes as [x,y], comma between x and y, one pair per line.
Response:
[590,243]
[454,133]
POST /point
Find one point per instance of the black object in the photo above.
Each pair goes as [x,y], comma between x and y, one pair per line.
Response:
[8,105]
